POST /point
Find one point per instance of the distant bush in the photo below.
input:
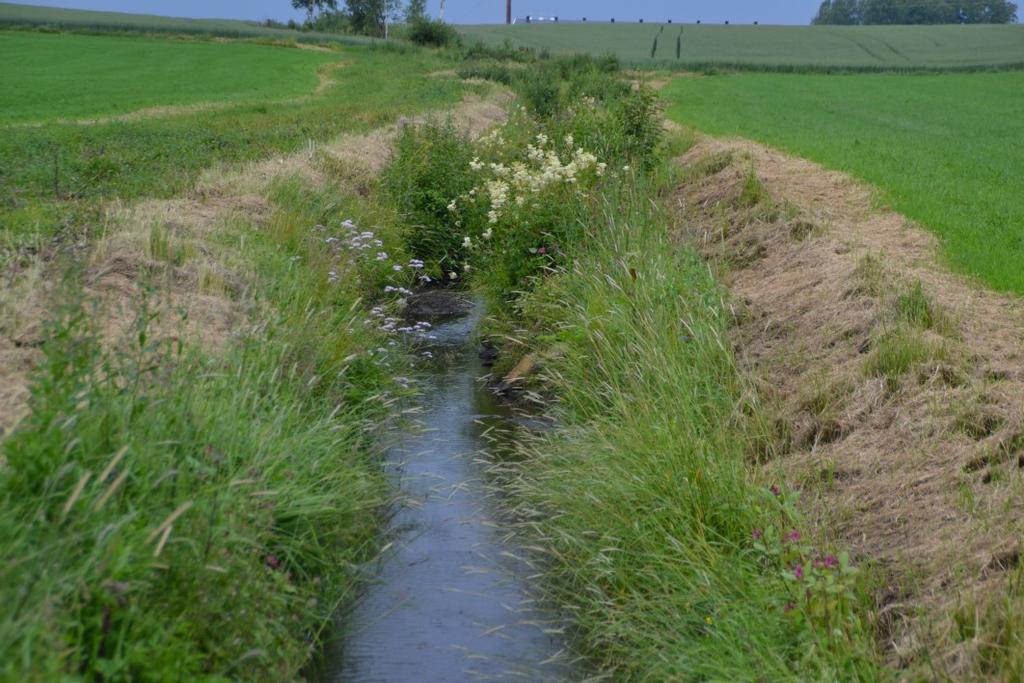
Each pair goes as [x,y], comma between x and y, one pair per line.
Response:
[505,52]
[488,70]
[433,32]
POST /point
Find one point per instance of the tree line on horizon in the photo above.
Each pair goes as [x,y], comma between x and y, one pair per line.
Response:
[879,12]
[366,17]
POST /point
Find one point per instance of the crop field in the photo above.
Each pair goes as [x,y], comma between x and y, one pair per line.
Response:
[772,47]
[48,76]
[940,147]
[13,14]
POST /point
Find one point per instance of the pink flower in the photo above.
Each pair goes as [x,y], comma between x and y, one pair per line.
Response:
[831,562]
[775,490]
[788,607]
[542,250]
[798,572]
[757,534]
[792,536]
[273,562]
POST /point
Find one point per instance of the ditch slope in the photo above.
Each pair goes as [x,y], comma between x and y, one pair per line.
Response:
[895,387]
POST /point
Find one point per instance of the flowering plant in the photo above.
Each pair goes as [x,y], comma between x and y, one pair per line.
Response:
[524,206]
[815,586]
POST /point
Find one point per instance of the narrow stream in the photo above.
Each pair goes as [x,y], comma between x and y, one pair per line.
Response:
[449,602]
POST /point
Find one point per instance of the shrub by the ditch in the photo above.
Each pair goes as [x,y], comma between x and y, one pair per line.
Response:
[431,166]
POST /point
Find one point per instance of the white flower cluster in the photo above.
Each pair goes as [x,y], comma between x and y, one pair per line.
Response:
[515,182]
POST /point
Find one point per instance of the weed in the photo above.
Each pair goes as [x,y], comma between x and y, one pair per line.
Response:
[871,275]
[913,307]
[900,350]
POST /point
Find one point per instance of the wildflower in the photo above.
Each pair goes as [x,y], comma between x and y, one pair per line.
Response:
[542,250]
[453,275]
[382,256]
[626,168]
[757,534]
[569,140]
[488,234]
[397,268]
[542,139]
[466,267]
[476,164]
[466,242]
[788,607]
[830,562]
[792,536]
[708,620]
[492,217]
[453,206]
[416,264]
[798,572]
[775,490]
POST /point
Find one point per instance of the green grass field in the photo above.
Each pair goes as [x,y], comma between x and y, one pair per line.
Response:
[51,76]
[55,177]
[773,47]
[29,15]
[943,148]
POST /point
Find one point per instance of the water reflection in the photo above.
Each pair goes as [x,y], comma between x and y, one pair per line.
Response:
[448,602]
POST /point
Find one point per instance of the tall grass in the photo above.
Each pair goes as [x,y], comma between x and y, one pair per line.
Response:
[170,514]
[644,500]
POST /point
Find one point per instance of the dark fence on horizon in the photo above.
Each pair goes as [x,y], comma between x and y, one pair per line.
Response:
[551,19]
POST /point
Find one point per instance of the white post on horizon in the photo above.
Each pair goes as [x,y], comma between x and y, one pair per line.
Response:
[441,13]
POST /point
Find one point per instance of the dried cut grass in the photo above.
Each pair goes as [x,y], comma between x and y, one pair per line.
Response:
[166,250]
[869,343]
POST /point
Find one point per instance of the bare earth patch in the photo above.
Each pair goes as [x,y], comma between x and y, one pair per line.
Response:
[162,249]
[899,406]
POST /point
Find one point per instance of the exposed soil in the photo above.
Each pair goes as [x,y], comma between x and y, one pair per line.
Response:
[204,295]
[917,473]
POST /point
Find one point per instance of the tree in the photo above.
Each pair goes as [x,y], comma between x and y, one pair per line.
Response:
[870,12]
[839,12]
[313,7]
[416,11]
[308,5]
[370,17]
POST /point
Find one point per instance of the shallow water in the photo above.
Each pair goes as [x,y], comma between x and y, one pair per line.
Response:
[448,602]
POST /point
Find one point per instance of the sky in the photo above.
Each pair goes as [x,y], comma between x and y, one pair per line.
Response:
[487,11]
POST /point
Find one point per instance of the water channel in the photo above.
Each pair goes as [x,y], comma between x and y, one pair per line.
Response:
[449,601]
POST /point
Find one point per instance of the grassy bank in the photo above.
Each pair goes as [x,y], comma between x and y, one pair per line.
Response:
[897,133]
[171,512]
[56,178]
[654,531]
